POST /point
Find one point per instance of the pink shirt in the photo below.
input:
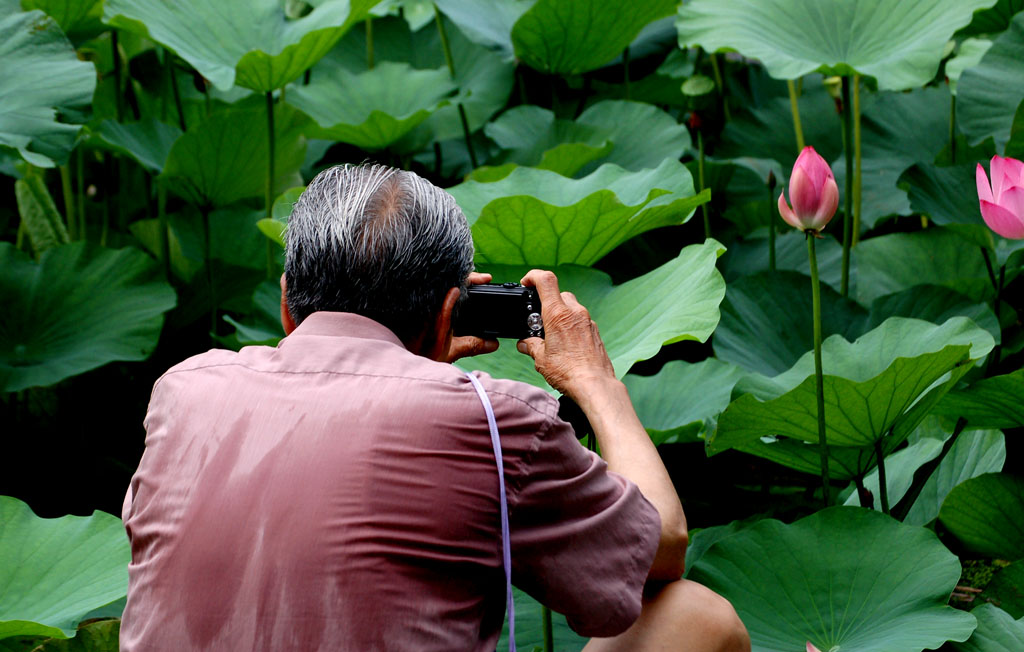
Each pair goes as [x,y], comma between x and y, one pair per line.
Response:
[340,493]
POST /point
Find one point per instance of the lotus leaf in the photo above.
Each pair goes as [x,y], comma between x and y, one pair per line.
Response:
[244,42]
[988,94]
[487,22]
[80,307]
[932,303]
[1006,590]
[530,627]
[997,632]
[636,317]
[99,636]
[540,218]
[749,257]
[994,20]
[969,55]
[39,217]
[886,379]
[988,403]
[373,109]
[148,141]
[899,44]
[843,578]
[987,514]
[41,79]
[55,571]
[78,18]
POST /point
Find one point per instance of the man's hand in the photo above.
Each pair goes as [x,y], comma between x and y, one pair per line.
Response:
[465,346]
[571,356]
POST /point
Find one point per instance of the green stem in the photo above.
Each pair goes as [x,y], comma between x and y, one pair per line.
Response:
[818,375]
[862,493]
[369,44]
[993,357]
[717,71]
[771,225]
[549,636]
[952,129]
[165,238]
[446,47]
[69,202]
[794,108]
[268,202]
[205,211]
[856,161]
[883,486]
[108,196]
[700,178]
[19,241]
[175,91]
[848,194]
[625,71]
[116,52]
[206,99]
[80,196]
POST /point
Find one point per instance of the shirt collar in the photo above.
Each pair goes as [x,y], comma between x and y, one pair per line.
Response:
[344,324]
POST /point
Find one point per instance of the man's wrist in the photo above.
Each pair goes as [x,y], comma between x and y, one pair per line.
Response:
[594,392]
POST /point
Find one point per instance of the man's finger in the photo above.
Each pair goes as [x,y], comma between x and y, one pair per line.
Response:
[479,278]
[547,287]
[531,346]
[468,345]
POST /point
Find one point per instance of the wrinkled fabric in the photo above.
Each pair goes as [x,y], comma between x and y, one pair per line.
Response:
[340,493]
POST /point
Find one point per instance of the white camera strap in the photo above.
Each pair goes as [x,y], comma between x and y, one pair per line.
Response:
[506,551]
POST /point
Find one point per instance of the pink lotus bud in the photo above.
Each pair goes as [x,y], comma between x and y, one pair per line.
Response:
[811,648]
[813,192]
[1002,203]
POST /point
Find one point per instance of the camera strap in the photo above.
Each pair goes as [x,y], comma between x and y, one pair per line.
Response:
[506,551]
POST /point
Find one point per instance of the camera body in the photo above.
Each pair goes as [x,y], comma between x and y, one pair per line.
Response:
[496,310]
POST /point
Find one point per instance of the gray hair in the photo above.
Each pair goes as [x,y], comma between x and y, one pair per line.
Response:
[376,241]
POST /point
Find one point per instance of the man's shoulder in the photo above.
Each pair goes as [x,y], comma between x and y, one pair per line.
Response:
[518,393]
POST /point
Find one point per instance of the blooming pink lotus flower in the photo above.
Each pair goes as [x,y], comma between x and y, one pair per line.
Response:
[813,192]
[1002,203]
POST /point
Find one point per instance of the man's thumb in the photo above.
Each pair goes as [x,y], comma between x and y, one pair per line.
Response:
[531,346]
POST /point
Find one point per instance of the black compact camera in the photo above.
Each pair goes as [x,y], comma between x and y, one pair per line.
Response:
[496,310]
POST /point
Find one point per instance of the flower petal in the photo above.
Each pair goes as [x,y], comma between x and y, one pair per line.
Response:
[1002,221]
[788,216]
[995,172]
[1014,171]
[811,647]
[803,194]
[984,189]
[827,205]
[814,166]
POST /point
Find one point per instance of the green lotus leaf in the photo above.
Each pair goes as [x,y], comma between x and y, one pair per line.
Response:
[988,403]
[39,217]
[988,94]
[975,453]
[843,578]
[997,632]
[245,42]
[749,257]
[42,78]
[80,307]
[569,37]
[225,158]
[994,20]
[540,218]
[767,321]
[677,301]
[933,303]
[886,379]
[898,44]
[530,627]
[986,514]
[1015,148]
[845,462]
[373,109]
[77,18]
[148,141]
[56,570]
[676,404]
[263,324]
[487,22]
[968,55]
[99,636]
[642,136]
[899,472]
[937,256]
[1006,590]
[946,195]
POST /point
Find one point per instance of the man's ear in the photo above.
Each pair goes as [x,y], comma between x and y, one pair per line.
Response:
[441,338]
[286,316]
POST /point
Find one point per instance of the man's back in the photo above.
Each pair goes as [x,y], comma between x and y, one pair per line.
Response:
[339,492]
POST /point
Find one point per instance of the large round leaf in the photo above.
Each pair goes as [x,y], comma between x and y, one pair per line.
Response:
[573,36]
[997,632]
[987,514]
[845,578]
[530,627]
[487,22]
[947,195]
[246,42]
[988,403]
[225,158]
[767,320]
[540,218]
[994,20]
[77,18]
[41,76]
[1006,589]
[884,380]
[748,257]
[97,636]
[148,141]
[932,303]
[988,94]
[80,307]
[375,108]
[677,301]
[898,43]
[56,570]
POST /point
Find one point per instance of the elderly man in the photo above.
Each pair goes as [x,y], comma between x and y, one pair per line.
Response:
[340,492]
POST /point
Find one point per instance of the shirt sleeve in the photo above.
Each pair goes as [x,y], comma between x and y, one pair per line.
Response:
[583,537]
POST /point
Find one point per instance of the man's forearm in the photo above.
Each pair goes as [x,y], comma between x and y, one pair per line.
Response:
[628,451]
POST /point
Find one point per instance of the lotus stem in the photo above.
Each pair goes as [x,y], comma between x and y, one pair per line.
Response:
[80,181]
[848,194]
[116,52]
[771,222]
[952,129]
[161,216]
[921,476]
[549,636]
[883,486]
[794,108]
[818,375]
[717,71]
[446,46]
[19,241]
[176,92]
[856,161]
[205,212]
[269,197]
[108,197]
[700,178]
[993,358]
[206,99]
[69,201]
[625,71]
[862,493]
[369,44]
